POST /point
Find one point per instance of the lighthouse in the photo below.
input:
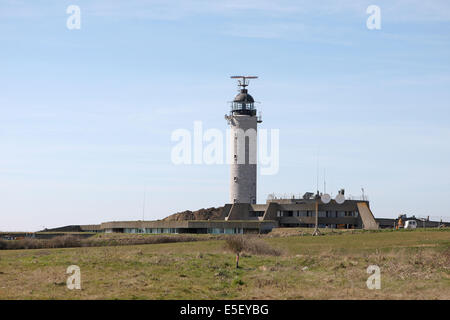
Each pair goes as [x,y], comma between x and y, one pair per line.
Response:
[243,123]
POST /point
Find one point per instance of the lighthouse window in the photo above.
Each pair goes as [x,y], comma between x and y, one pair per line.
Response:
[235,179]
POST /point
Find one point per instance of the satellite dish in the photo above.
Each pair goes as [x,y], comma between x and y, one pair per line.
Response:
[326,198]
[340,198]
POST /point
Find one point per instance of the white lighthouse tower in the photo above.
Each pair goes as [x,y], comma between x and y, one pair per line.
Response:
[243,122]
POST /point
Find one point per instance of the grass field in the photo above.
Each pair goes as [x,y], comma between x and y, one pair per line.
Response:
[414,265]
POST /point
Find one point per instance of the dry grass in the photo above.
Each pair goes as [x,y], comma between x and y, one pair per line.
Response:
[414,265]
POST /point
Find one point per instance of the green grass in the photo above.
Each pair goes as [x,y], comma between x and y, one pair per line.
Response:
[414,265]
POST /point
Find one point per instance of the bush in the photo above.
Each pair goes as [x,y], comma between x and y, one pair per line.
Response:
[236,244]
[64,242]
[260,247]
[26,244]
[70,241]
[250,244]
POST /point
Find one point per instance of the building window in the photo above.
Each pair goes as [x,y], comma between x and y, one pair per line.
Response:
[215,230]
[256,213]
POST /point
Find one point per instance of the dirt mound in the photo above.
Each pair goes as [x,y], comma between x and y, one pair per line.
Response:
[202,214]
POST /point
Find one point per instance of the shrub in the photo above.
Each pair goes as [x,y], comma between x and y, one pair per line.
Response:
[236,244]
[260,247]
[67,241]
[71,241]
[249,244]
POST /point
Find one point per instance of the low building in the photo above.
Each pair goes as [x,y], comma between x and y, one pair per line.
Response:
[189,226]
[239,218]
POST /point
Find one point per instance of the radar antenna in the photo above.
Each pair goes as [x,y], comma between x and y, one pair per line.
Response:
[243,82]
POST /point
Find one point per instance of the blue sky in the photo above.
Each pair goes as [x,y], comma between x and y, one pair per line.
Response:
[87,115]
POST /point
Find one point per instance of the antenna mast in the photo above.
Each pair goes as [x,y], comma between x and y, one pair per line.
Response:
[317,181]
[143,204]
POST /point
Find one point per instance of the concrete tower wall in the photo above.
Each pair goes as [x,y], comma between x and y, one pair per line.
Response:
[244,157]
